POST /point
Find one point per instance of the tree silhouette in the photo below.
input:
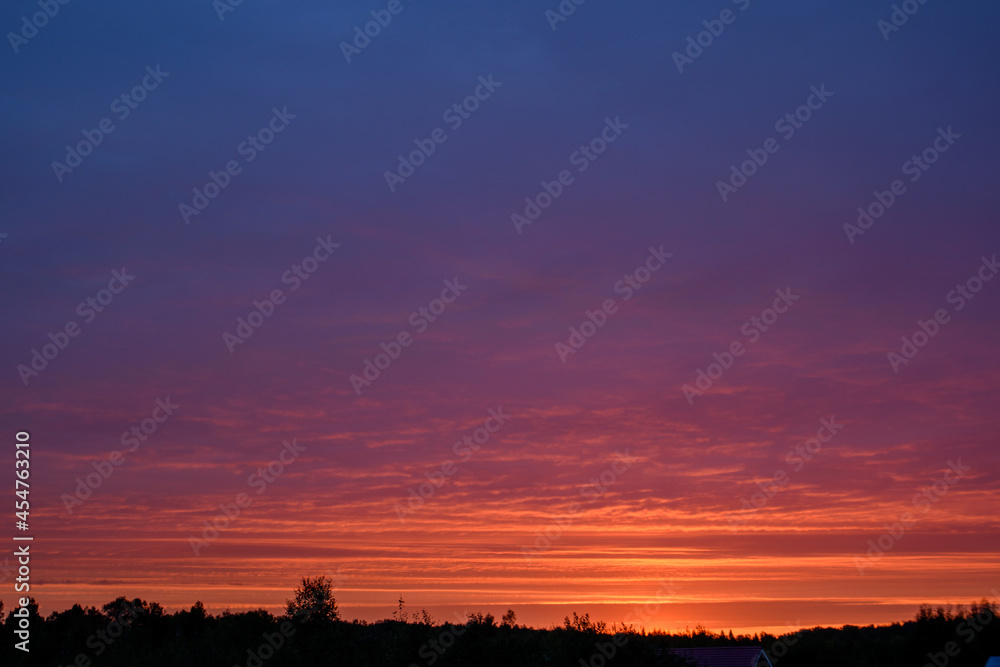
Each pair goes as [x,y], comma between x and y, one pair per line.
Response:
[129,632]
[124,610]
[399,614]
[313,601]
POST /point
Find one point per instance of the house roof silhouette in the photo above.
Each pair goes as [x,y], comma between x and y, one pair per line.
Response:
[728,656]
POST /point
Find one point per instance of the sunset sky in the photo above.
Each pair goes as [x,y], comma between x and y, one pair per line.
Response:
[597,478]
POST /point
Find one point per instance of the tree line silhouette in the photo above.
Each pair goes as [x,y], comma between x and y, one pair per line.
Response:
[133,633]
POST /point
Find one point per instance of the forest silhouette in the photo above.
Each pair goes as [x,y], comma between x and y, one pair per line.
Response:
[311,631]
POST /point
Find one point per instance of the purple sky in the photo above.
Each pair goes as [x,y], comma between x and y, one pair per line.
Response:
[868,101]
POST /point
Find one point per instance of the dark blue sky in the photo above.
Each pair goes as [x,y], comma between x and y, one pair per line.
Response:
[656,184]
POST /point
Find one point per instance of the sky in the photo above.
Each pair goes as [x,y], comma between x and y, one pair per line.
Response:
[527,305]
